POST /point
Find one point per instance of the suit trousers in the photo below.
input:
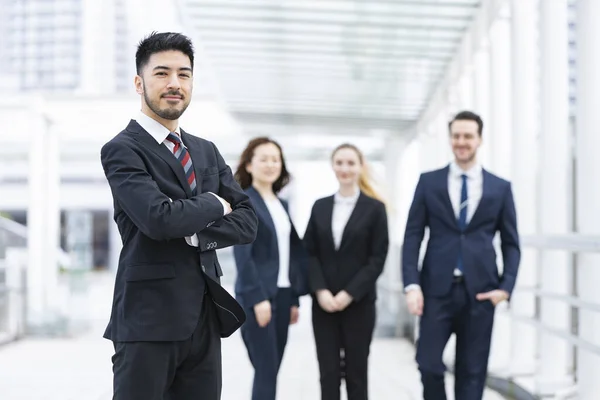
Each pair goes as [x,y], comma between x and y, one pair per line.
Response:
[471,321]
[351,332]
[179,370]
[266,345]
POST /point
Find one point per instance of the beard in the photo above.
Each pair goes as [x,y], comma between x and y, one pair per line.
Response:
[169,113]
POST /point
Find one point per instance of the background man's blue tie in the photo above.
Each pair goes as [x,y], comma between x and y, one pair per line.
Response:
[462,216]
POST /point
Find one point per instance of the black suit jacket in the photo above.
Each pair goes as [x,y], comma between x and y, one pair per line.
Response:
[258,262]
[161,280]
[359,261]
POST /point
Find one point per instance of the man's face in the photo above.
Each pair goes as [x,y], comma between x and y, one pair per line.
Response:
[166,84]
[465,140]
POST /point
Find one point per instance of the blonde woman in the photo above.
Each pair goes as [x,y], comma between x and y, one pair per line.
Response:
[347,242]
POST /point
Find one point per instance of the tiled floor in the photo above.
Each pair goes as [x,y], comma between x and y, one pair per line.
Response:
[79,368]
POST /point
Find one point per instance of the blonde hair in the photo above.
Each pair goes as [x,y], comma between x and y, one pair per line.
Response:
[365,182]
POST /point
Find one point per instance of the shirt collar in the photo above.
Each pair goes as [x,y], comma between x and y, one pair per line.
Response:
[339,199]
[472,173]
[154,128]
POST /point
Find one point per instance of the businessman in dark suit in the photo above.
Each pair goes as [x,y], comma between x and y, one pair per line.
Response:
[175,203]
[459,285]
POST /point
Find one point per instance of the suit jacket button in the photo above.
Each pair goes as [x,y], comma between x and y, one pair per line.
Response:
[203,268]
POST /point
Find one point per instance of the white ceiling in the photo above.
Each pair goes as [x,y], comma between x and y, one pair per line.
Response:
[345,66]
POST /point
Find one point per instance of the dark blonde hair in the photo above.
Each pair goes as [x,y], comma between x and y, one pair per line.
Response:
[244,178]
[364,181]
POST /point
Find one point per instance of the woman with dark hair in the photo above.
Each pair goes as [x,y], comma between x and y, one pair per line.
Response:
[347,243]
[271,271]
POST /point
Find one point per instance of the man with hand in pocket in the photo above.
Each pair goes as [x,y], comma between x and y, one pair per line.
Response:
[458,286]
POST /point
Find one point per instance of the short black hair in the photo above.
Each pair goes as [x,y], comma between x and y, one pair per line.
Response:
[469,116]
[159,42]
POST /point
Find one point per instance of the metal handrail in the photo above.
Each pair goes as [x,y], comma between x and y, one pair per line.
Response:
[572,300]
[572,339]
[13,227]
[571,242]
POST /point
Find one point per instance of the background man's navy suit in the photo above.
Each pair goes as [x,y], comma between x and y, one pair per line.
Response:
[450,306]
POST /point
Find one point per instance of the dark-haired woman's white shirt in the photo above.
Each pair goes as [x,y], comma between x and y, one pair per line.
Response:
[283,226]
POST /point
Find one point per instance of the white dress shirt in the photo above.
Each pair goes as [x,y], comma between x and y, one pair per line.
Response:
[474,192]
[474,188]
[160,134]
[342,209]
[283,227]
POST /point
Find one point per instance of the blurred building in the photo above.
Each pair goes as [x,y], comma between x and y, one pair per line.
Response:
[64,45]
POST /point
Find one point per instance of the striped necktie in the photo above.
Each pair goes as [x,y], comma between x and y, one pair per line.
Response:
[184,158]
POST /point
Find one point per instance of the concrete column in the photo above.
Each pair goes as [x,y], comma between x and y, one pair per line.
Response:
[588,195]
[392,157]
[554,367]
[436,143]
[498,136]
[408,175]
[98,46]
[389,307]
[482,104]
[442,145]
[43,224]
[466,89]
[524,130]
[428,157]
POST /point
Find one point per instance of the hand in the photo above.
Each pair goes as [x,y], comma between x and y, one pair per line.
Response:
[414,301]
[326,300]
[262,311]
[294,315]
[495,296]
[343,300]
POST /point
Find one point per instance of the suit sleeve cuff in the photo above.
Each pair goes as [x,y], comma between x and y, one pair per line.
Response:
[222,203]
[252,298]
[507,284]
[412,286]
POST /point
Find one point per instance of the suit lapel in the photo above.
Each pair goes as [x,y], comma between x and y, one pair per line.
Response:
[485,191]
[148,141]
[261,208]
[196,156]
[442,178]
[328,217]
[354,217]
